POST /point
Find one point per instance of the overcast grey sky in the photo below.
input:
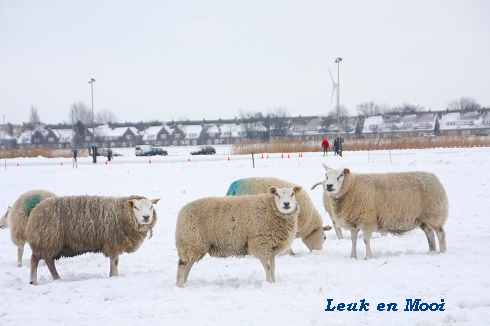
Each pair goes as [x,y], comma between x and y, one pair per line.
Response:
[207,59]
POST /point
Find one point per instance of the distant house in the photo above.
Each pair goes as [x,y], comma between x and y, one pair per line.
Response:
[6,140]
[192,134]
[211,135]
[65,137]
[160,135]
[465,123]
[39,137]
[232,133]
[414,124]
[106,136]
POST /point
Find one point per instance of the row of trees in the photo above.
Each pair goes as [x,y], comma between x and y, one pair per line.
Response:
[79,112]
[274,121]
[372,108]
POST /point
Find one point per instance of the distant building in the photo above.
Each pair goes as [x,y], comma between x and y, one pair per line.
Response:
[465,123]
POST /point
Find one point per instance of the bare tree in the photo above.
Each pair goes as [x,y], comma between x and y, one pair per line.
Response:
[34,116]
[277,122]
[79,111]
[406,108]
[464,103]
[370,108]
[105,116]
[252,122]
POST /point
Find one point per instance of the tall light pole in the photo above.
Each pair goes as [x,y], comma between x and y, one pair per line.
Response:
[338,60]
[91,82]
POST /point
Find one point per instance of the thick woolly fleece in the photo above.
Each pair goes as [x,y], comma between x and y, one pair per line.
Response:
[233,226]
[70,226]
[309,220]
[20,211]
[391,202]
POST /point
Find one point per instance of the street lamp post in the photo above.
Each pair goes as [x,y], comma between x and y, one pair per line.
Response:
[91,82]
[338,60]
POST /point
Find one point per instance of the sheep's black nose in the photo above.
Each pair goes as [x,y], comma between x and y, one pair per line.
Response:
[146,218]
[286,204]
[330,187]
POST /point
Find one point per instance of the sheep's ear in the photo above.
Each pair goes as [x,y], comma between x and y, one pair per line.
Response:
[273,190]
[155,201]
[346,171]
[297,189]
[325,167]
[327,227]
[131,203]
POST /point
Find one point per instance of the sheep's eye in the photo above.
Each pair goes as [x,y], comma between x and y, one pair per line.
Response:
[340,176]
[136,208]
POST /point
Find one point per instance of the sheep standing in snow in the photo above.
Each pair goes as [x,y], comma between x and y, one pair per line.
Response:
[17,217]
[70,226]
[310,224]
[261,225]
[391,202]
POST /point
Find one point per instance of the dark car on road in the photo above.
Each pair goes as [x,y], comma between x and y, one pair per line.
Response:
[205,150]
[147,150]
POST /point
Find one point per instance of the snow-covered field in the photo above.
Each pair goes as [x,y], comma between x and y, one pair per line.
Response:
[233,291]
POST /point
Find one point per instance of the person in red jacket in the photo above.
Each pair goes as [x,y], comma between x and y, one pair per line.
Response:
[325,146]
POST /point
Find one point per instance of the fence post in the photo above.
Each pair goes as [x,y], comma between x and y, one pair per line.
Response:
[253,161]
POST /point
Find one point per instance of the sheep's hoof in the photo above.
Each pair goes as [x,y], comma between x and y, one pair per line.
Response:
[180,285]
[32,283]
[19,265]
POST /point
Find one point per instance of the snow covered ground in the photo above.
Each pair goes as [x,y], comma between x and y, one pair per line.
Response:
[233,291]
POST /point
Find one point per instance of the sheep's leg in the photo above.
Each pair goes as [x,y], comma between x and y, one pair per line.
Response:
[267,267]
[367,243]
[52,269]
[272,261]
[187,270]
[441,236]
[34,265]
[353,235]
[114,264]
[183,270]
[338,231]
[20,253]
[429,233]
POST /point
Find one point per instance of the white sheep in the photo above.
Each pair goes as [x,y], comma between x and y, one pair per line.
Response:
[310,223]
[261,225]
[390,202]
[17,217]
[70,226]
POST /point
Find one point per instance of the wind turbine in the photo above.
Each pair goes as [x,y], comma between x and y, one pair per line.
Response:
[336,87]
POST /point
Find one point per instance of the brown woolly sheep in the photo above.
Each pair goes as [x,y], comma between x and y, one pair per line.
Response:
[310,223]
[388,202]
[70,226]
[259,225]
[17,217]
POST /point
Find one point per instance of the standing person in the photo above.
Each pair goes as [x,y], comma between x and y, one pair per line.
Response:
[75,158]
[109,155]
[340,141]
[325,145]
[336,146]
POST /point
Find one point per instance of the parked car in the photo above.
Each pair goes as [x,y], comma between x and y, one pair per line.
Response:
[205,150]
[105,151]
[148,150]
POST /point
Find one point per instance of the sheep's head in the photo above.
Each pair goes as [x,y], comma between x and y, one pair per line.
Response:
[4,221]
[143,209]
[334,179]
[285,199]
[315,240]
